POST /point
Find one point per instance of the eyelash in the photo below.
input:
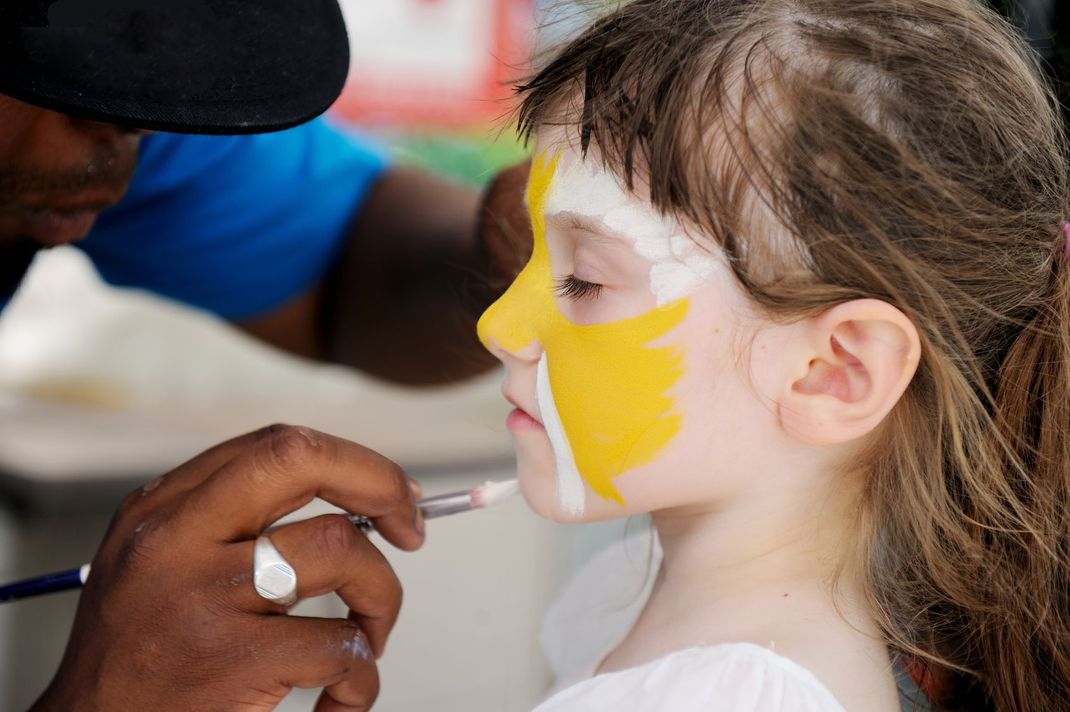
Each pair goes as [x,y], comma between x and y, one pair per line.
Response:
[571,287]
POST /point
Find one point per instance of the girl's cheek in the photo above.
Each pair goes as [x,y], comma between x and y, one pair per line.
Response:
[589,311]
[582,313]
[612,303]
[624,290]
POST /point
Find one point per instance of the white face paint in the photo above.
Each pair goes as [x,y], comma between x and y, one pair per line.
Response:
[570,491]
[678,264]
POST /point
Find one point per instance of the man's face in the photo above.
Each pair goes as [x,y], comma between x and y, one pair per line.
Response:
[57,173]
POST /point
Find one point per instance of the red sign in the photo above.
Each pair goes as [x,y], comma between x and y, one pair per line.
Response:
[434,63]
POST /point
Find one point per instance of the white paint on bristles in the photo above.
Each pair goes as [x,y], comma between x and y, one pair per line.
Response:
[490,493]
[570,491]
[678,263]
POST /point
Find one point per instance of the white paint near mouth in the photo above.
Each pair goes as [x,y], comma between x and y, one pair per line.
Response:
[571,494]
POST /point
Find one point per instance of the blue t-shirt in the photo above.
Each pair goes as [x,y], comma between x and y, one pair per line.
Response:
[237,225]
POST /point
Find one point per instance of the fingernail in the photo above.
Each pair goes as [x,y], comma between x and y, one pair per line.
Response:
[418,523]
[416,489]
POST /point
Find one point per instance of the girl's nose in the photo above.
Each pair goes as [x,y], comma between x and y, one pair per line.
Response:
[509,328]
[529,353]
[508,331]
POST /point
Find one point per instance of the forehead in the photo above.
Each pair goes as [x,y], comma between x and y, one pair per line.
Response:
[582,185]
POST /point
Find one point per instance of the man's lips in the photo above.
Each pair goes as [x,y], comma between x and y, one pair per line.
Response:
[61,222]
[53,226]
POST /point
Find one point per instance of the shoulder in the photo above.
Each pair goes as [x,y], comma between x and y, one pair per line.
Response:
[736,677]
[170,161]
[599,604]
[236,225]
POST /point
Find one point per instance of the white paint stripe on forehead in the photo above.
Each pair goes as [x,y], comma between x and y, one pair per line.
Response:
[678,264]
[592,191]
[571,494]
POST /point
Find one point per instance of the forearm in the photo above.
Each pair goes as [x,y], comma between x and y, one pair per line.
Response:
[422,260]
[404,298]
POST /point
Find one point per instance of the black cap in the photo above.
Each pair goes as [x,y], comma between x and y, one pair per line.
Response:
[191,66]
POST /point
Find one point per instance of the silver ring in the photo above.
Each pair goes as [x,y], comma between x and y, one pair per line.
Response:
[273,576]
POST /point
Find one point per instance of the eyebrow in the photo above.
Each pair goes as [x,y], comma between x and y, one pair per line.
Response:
[584,223]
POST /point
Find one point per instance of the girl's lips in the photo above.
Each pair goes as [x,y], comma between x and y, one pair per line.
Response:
[520,420]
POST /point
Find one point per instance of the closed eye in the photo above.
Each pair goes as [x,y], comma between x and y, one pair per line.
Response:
[572,287]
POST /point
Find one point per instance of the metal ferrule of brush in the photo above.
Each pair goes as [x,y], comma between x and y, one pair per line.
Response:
[445,504]
[431,507]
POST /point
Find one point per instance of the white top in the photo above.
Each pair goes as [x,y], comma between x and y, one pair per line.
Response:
[595,612]
[734,677]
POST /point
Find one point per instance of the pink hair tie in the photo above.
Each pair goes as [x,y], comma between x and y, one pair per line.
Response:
[1066,241]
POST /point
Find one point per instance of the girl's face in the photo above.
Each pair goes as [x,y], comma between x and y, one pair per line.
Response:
[620,340]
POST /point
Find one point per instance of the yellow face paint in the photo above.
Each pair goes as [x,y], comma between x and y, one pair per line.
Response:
[609,384]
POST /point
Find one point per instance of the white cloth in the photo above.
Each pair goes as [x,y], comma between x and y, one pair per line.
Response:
[595,612]
[734,677]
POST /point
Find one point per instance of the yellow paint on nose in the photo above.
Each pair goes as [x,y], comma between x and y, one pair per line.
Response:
[609,384]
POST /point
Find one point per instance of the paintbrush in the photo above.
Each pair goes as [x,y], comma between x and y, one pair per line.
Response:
[441,505]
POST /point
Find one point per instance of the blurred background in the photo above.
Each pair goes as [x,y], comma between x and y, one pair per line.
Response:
[101,389]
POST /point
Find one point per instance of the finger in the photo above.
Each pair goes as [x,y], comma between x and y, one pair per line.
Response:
[304,652]
[137,505]
[327,703]
[200,467]
[288,468]
[329,554]
[348,693]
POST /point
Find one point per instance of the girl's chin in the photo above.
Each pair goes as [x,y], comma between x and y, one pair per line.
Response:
[539,489]
[539,492]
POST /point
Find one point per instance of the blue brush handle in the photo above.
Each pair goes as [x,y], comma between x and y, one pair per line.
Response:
[50,583]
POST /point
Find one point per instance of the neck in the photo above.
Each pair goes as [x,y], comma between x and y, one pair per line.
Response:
[768,569]
[791,532]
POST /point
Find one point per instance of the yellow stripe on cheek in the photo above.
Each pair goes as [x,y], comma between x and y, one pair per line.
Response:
[610,386]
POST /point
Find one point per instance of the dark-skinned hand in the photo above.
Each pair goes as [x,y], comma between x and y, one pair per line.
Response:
[169,618]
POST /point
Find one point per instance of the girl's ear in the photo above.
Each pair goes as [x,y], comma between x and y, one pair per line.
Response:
[845,371]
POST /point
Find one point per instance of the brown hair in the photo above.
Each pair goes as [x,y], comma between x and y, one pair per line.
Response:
[913,154]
